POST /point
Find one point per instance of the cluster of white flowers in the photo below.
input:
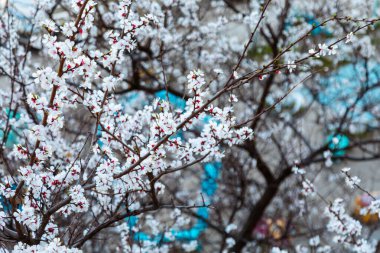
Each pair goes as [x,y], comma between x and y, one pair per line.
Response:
[47,78]
[27,217]
[53,246]
[347,230]
[78,203]
[324,50]
[297,170]
[195,80]
[308,188]
[69,29]
[6,188]
[351,181]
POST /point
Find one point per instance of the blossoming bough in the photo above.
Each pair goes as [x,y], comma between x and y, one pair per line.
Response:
[63,189]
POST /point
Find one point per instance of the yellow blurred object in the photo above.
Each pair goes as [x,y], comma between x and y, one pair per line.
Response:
[361,202]
[276,228]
